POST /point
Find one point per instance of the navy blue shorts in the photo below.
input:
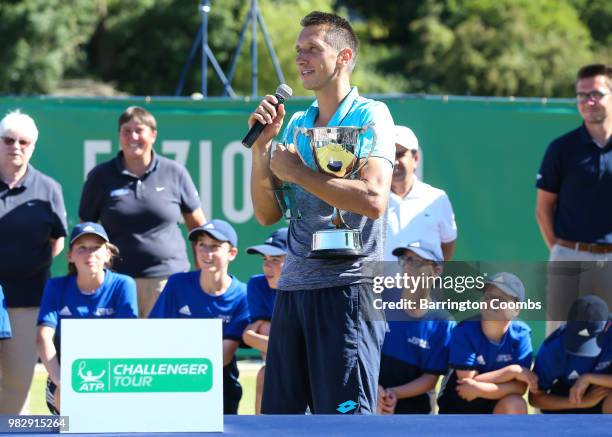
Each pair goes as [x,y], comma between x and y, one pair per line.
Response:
[324,352]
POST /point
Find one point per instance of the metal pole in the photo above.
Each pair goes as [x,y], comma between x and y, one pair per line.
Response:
[268,41]
[254,48]
[234,63]
[205,9]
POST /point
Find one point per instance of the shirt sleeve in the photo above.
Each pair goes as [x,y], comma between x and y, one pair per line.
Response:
[5,323]
[127,306]
[190,200]
[240,319]
[462,353]
[544,368]
[90,205]
[49,305]
[438,355]
[165,307]
[550,175]
[525,350]
[382,129]
[257,308]
[58,209]
[448,227]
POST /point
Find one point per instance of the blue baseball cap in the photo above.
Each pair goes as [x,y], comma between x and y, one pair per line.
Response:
[88,228]
[586,320]
[424,249]
[509,283]
[275,244]
[218,229]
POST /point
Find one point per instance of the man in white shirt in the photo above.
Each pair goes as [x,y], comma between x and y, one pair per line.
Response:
[417,211]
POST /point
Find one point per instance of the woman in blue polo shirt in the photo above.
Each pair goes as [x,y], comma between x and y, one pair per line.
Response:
[415,351]
[261,294]
[490,356]
[90,290]
[5,324]
[210,293]
[574,364]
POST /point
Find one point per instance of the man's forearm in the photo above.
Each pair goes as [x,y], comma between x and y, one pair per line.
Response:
[345,194]
[266,208]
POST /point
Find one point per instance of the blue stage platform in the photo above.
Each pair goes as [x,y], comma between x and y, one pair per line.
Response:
[422,426]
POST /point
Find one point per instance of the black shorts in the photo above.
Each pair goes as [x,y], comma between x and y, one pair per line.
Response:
[597,409]
[449,401]
[323,352]
[50,397]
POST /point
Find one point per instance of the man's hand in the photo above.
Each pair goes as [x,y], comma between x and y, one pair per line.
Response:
[467,389]
[285,162]
[528,377]
[266,113]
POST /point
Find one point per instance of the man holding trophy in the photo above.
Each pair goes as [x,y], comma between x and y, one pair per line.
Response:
[330,175]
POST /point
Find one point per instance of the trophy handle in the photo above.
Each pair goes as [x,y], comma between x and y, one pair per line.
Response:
[296,132]
[364,129]
[338,220]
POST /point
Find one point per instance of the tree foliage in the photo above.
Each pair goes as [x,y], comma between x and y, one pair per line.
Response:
[484,47]
[42,40]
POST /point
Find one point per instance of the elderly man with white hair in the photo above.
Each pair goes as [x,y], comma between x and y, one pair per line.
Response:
[416,211]
[32,230]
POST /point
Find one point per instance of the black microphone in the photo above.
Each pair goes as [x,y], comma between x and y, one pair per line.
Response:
[283,92]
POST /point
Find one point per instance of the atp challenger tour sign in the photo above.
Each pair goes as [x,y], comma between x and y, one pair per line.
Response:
[139,375]
[142,375]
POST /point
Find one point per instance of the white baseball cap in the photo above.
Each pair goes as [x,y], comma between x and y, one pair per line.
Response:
[406,138]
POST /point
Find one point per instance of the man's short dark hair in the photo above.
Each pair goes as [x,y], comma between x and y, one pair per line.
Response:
[593,70]
[339,34]
[139,115]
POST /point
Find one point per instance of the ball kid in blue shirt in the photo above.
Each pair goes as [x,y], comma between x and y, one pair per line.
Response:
[261,293]
[490,356]
[574,364]
[90,290]
[415,351]
[211,292]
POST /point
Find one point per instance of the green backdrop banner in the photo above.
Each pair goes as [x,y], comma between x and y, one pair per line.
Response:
[484,152]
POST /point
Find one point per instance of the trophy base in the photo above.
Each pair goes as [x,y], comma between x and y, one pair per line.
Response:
[336,244]
[335,254]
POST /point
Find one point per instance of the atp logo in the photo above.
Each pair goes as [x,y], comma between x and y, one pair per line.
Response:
[90,381]
[346,406]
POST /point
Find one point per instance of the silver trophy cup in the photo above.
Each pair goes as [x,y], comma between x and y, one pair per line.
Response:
[335,151]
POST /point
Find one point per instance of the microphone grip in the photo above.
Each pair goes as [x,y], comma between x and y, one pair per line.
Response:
[253,133]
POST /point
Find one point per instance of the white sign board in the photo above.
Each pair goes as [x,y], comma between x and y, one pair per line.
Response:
[142,375]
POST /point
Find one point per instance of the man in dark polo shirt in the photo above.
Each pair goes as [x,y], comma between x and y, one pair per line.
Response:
[140,197]
[32,230]
[574,202]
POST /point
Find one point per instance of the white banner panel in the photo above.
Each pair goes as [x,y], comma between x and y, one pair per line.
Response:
[141,375]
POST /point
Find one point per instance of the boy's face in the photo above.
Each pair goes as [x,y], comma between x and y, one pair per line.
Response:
[213,255]
[272,267]
[497,298]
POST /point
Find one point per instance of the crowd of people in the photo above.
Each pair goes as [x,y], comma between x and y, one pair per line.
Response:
[325,348]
